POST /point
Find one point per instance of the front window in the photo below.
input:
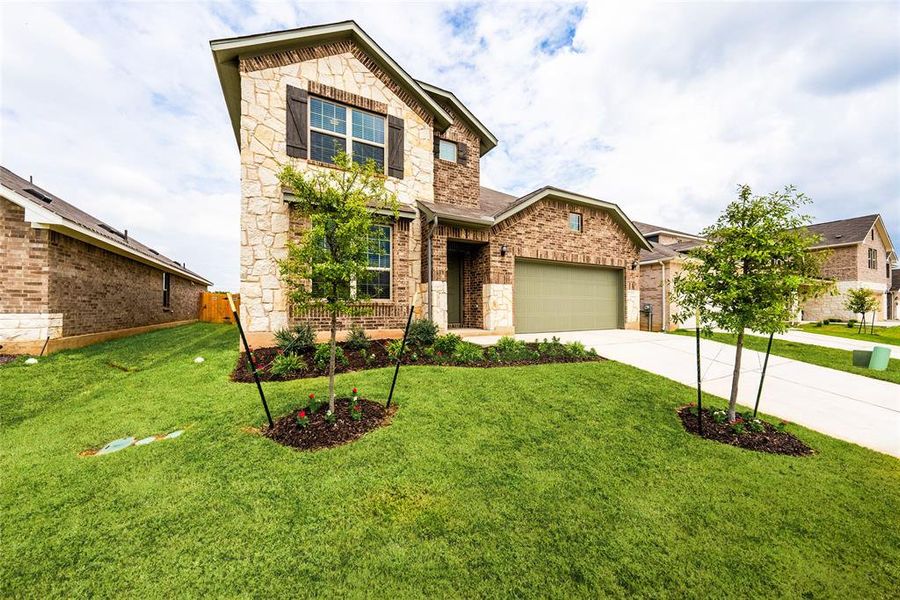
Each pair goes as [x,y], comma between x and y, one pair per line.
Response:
[329,133]
[378,285]
[873,258]
[575,221]
[447,150]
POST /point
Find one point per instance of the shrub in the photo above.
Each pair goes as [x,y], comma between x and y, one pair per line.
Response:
[738,427]
[510,349]
[447,343]
[467,353]
[422,332]
[357,339]
[817,324]
[851,323]
[393,348]
[576,350]
[314,405]
[330,417]
[719,416]
[302,419]
[285,364]
[826,321]
[297,339]
[756,426]
[552,349]
[323,355]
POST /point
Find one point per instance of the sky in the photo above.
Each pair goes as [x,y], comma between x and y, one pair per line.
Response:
[662,108]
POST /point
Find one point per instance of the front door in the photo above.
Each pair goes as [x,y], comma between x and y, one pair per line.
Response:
[454,289]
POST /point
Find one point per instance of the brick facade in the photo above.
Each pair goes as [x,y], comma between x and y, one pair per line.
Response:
[23,262]
[457,182]
[652,293]
[52,285]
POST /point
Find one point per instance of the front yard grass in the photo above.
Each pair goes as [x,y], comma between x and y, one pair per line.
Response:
[564,480]
[883,335]
[833,358]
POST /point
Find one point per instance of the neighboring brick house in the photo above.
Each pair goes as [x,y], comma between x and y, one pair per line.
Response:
[894,296]
[69,277]
[466,256]
[659,266]
[860,255]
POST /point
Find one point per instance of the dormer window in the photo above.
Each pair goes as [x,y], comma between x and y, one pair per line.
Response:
[447,150]
[329,133]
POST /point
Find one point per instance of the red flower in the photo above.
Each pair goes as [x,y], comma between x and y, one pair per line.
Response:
[354,390]
[312,396]
[301,414]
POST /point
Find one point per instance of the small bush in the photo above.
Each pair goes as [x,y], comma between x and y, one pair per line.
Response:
[393,348]
[357,339]
[422,333]
[576,350]
[851,323]
[826,321]
[447,343]
[510,349]
[285,364]
[817,324]
[323,356]
[719,416]
[467,353]
[552,349]
[297,339]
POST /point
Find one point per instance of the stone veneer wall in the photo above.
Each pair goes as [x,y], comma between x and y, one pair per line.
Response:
[458,183]
[96,290]
[265,219]
[831,305]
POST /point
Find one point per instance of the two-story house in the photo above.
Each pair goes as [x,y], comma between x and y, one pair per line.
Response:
[860,255]
[466,256]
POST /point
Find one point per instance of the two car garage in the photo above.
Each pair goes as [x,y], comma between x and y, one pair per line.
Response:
[554,296]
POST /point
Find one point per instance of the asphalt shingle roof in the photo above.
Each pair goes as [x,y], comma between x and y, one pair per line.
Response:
[75,215]
[844,231]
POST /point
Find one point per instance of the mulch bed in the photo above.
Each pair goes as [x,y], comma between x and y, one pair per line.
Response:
[357,362]
[771,440]
[319,433]
[6,358]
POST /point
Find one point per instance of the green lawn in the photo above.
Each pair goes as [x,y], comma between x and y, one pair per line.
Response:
[556,480]
[833,358]
[884,335]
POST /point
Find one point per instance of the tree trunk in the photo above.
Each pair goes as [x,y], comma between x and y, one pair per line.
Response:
[736,376]
[331,362]
[862,323]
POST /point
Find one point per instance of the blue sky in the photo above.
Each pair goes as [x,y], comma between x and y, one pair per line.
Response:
[663,108]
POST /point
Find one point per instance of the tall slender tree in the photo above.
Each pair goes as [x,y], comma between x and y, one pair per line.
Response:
[331,261]
[862,301]
[753,271]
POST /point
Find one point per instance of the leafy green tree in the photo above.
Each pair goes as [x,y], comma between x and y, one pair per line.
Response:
[754,270]
[326,267]
[861,300]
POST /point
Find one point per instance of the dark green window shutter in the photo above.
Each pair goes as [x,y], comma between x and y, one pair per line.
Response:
[395,147]
[437,146]
[297,132]
[461,152]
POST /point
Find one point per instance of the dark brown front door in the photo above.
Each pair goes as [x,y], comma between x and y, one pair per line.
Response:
[454,289]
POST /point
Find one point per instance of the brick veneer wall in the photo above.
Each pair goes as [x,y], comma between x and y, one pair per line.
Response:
[24,271]
[458,183]
[384,314]
[651,293]
[97,290]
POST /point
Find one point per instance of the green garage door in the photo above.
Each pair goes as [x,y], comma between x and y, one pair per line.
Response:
[564,297]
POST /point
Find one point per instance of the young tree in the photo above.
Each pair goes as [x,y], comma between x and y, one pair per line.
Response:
[753,271]
[331,260]
[862,301]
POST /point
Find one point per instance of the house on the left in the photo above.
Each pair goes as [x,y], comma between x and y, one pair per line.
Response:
[67,279]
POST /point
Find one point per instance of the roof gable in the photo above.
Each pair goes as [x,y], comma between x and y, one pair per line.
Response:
[228,52]
[488,140]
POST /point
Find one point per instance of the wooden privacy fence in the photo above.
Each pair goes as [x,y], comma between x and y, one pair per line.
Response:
[214,307]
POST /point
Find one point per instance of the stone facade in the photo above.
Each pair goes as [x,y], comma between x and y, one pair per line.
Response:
[265,217]
[56,286]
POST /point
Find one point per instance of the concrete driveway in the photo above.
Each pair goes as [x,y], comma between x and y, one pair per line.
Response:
[849,407]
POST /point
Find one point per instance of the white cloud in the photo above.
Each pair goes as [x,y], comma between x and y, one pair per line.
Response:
[662,108]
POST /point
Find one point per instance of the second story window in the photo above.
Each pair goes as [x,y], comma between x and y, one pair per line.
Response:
[575,221]
[447,150]
[873,258]
[330,133]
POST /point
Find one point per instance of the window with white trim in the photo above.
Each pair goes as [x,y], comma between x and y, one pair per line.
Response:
[331,130]
[576,221]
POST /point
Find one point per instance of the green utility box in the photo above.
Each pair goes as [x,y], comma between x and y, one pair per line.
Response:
[861,358]
[880,358]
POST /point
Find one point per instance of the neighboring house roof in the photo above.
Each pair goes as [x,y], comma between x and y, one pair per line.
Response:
[648,229]
[658,252]
[227,52]
[495,207]
[845,232]
[488,140]
[48,209]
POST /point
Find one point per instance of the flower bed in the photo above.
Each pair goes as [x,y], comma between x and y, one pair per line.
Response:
[745,432]
[445,350]
[312,427]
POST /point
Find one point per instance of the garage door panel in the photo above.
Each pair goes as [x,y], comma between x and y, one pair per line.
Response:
[564,297]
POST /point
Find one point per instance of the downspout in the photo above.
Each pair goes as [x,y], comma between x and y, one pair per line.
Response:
[664,322]
[428,267]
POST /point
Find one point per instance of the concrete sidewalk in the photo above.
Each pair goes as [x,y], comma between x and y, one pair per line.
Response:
[832,341]
[849,407]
